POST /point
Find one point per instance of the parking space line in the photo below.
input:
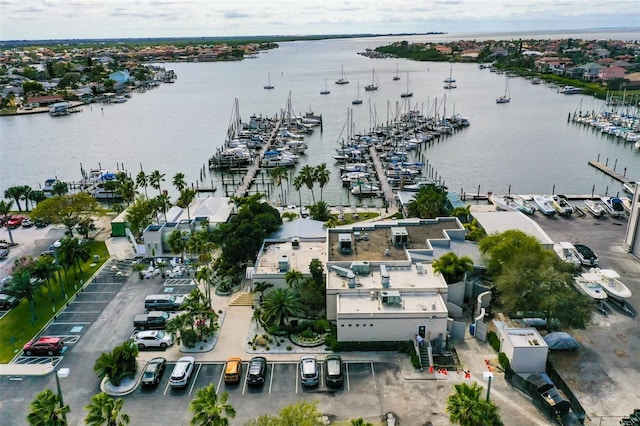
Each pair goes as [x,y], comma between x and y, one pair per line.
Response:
[373,374]
[271,379]
[220,380]
[90,301]
[100,292]
[70,322]
[79,312]
[297,375]
[246,376]
[193,382]
[166,388]
[346,365]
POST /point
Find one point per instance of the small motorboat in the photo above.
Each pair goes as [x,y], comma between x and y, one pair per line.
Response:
[588,284]
[567,253]
[503,203]
[544,204]
[609,280]
[561,205]
[614,206]
[365,189]
[595,208]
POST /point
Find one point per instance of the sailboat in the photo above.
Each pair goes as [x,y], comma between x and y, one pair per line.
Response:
[396,77]
[507,94]
[341,80]
[407,94]
[325,91]
[357,101]
[373,85]
[449,82]
[269,85]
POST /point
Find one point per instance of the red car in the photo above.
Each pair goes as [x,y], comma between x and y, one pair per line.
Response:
[44,346]
[14,222]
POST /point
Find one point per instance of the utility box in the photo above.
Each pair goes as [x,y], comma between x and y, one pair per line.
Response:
[345,242]
[283,264]
[360,268]
[399,236]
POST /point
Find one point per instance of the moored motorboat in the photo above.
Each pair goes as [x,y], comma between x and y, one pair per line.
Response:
[570,90]
[365,189]
[561,205]
[525,201]
[626,204]
[567,253]
[588,284]
[586,256]
[630,187]
[502,203]
[543,202]
[609,280]
[614,206]
[595,208]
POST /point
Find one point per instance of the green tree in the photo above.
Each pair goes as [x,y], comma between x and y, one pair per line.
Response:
[429,202]
[179,182]
[178,242]
[139,215]
[155,180]
[319,211]
[5,207]
[36,197]
[163,201]
[452,267]
[293,278]
[298,414]
[298,183]
[105,411]
[279,305]
[322,175]
[277,175]
[317,270]
[261,287]
[67,210]
[85,227]
[44,269]
[31,87]
[309,177]
[117,364]
[14,192]
[22,286]
[360,422]
[467,409]
[209,409]
[47,410]
[142,181]
[60,188]
[186,198]
[125,187]
[462,213]
[196,322]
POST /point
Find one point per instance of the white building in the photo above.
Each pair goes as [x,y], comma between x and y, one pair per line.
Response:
[524,347]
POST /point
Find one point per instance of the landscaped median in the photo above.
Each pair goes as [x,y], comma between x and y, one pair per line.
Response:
[19,326]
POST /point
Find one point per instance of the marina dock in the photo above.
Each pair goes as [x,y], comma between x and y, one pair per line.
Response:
[609,172]
[387,191]
[252,171]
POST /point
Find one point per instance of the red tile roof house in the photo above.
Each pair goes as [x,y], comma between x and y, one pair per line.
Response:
[36,101]
[611,73]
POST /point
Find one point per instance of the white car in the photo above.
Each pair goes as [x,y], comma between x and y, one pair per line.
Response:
[152,339]
[182,371]
[176,272]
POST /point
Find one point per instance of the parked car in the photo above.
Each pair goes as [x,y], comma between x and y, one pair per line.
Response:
[152,339]
[8,302]
[4,252]
[309,371]
[333,373]
[233,370]
[257,371]
[182,371]
[46,345]
[5,282]
[27,223]
[40,223]
[153,371]
[14,222]
[152,320]
[586,256]
[163,302]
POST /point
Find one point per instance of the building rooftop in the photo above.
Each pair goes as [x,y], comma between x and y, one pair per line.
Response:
[524,337]
[500,221]
[298,258]
[412,277]
[369,305]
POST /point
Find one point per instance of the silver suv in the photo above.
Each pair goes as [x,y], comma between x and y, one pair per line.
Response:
[182,372]
[309,371]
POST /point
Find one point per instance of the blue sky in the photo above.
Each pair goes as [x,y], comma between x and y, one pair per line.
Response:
[51,19]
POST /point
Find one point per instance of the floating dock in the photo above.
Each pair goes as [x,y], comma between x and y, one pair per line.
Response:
[609,172]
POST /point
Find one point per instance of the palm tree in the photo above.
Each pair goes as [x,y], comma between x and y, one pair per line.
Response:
[142,181]
[467,409]
[22,286]
[260,287]
[462,213]
[60,188]
[45,269]
[319,211]
[179,182]
[293,278]
[277,175]
[164,203]
[429,202]
[209,409]
[106,411]
[186,198]
[178,242]
[298,183]
[322,176]
[360,422]
[280,304]
[15,193]
[37,196]
[309,177]
[126,188]
[452,267]
[155,179]
[47,410]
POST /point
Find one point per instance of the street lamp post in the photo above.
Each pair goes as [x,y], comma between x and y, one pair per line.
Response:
[62,372]
[56,246]
[488,376]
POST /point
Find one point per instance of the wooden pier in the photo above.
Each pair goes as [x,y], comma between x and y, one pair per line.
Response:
[387,191]
[243,189]
[609,172]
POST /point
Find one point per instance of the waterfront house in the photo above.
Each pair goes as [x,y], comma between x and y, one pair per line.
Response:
[40,101]
[611,73]
[590,71]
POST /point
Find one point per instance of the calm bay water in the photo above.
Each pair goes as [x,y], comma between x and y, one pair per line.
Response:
[527,143]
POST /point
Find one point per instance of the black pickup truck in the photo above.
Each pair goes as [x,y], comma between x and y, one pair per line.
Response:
[151,320]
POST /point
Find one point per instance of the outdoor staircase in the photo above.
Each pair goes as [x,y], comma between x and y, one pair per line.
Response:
[242,299]
[424,356]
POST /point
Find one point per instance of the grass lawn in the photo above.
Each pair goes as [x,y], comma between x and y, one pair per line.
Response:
[17,322]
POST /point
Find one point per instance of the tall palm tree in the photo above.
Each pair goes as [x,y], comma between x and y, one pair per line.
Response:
[179,182]
[467,409]
[126,188]
[45,269]
[155,180]
[5,207]
[277,175]
[15,193]
[360,422]
[22,286]
[178,242]
[105,411]
[293,278]
[37,196]
[142,181]
[25,192]
[280,304]
[187,196]
[60,188]
[46,410]
[309,178]
[260,287]
[298,183]
[322,175]
[164,203]
[209,409]
[452,267]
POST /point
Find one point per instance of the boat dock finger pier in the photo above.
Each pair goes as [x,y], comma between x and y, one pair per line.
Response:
[604,168]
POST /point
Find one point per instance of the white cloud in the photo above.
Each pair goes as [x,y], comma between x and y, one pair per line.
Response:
[38,19]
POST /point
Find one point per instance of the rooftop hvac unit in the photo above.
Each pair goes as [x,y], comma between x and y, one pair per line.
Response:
[384,276]
[391,298]
[295,242]
[283,263]
[342,272]
[360,268]
[351,280]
